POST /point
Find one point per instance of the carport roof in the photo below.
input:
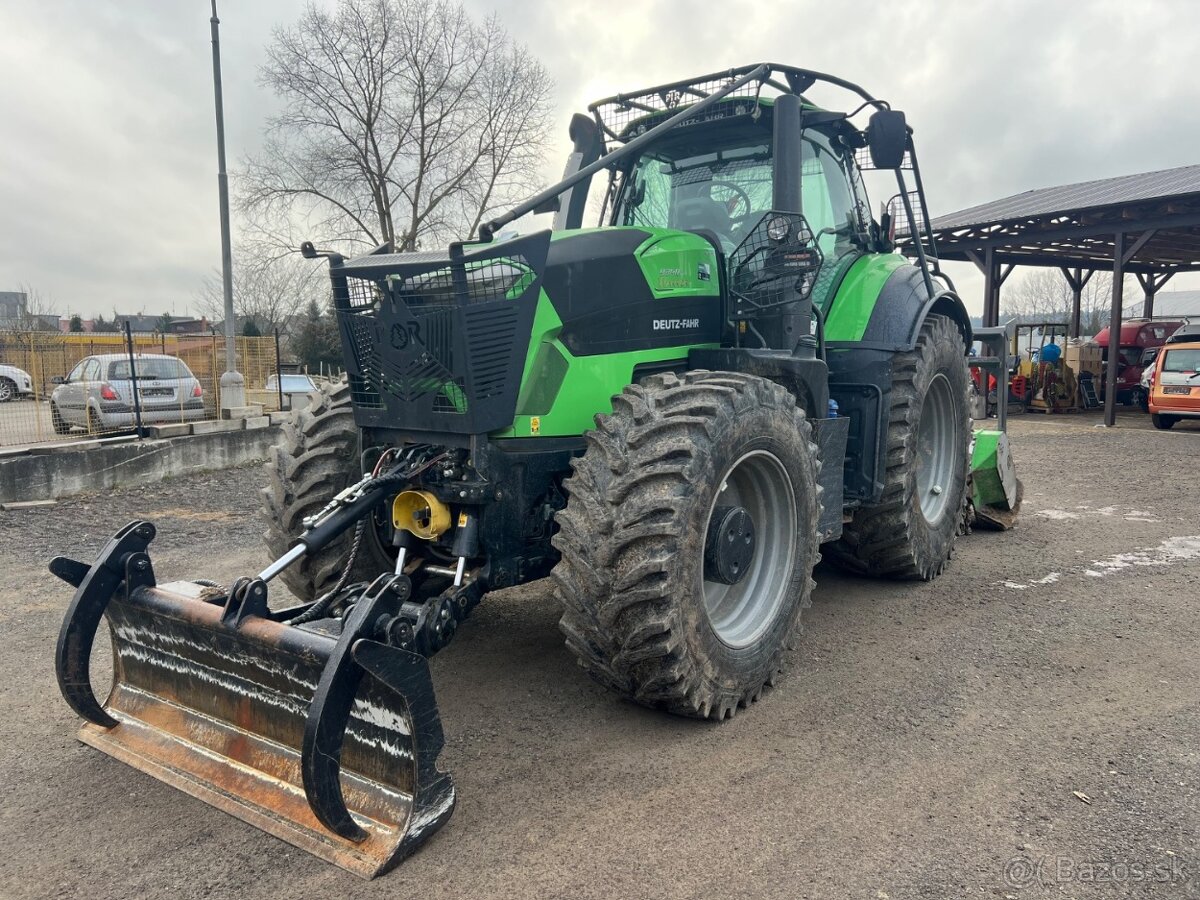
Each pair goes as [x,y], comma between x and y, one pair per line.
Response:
[1075,224]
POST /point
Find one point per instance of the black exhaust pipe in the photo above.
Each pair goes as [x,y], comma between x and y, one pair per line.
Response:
[795,319]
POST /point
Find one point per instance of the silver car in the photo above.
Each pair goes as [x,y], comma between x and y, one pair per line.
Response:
[98,394]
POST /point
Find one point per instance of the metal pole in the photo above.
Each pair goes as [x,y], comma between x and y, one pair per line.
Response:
[278,371]
[1114,331]
[233,386]
[133,385]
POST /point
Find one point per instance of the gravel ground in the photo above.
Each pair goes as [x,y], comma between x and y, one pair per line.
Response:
[1026,726]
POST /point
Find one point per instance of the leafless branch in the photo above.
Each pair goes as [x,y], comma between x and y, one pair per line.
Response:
[403,121]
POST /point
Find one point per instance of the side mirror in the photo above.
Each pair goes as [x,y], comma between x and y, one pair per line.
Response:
[887,136]
[58,379]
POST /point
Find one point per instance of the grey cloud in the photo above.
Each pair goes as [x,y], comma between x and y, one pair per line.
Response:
[109,186]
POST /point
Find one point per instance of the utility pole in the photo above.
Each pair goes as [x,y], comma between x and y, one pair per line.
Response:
[233,386]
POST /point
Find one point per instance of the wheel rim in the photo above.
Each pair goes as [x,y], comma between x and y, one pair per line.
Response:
[741,613]
[6,391]
[936,449]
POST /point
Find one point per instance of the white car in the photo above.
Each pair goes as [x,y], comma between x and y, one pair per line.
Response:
[1141,393]
[14,383]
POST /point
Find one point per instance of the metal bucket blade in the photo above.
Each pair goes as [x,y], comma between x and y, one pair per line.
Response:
[219,712]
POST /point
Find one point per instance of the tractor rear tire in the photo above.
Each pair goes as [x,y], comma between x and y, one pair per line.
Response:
[317,457]
[642,612]
[910,534]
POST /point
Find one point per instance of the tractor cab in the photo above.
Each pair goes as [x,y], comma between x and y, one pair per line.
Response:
[717,180]
[720,178]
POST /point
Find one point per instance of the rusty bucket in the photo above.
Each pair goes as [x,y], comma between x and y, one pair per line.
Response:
[315,733]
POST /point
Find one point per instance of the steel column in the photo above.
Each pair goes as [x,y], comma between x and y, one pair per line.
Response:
[1152,283]
[1077,280]
[990,320]
[1114,331]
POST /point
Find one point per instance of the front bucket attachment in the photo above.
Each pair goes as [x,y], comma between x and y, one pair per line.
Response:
[318,734]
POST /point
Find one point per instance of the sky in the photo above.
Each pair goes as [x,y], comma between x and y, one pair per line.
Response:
[108,189]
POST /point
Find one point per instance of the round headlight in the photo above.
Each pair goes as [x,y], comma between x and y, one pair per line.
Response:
[778,228]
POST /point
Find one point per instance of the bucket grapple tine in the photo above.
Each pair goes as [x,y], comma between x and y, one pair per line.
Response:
[94,586]
[406,675]
[325,727]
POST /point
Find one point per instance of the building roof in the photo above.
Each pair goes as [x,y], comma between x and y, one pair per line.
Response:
[1170,303]
[1074,197]
[175,324]
[1075,224]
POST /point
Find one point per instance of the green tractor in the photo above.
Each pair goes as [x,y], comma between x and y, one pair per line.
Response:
[672,415]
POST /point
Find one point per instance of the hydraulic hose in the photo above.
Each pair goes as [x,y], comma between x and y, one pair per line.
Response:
[325,601]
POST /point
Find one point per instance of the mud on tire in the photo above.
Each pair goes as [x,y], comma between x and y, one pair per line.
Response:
[632,537]
[317,457]
[895,538]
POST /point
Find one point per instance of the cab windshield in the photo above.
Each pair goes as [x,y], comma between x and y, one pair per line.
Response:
[727,190]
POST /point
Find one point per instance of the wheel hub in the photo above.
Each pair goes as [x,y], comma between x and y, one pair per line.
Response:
[749,549]
[937,449]
[729,545]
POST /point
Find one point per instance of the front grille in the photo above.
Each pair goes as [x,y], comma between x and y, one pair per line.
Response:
[436,343]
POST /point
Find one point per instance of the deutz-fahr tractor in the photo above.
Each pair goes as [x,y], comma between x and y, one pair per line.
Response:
[673,415]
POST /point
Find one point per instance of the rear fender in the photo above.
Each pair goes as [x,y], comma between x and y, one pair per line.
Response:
[860,372]
[901,308]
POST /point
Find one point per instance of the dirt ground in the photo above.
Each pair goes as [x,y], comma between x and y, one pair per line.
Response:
[1026,726]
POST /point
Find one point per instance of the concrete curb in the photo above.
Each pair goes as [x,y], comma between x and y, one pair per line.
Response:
[86,468]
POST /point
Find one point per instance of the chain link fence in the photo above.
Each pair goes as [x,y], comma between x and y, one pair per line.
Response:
[64,387]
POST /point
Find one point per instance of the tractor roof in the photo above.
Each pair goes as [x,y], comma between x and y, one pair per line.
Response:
[624,117]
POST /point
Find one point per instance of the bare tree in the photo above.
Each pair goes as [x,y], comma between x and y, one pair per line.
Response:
[269,292]
[37,313]
[403,121]
[1043,295]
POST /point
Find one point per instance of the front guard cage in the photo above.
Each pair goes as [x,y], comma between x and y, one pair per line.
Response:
[435,343]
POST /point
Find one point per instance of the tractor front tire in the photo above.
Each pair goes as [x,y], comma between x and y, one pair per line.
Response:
[910,533]
[688,541]
[317,457]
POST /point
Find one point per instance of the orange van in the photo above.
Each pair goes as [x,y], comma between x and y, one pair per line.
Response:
[1175,384]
